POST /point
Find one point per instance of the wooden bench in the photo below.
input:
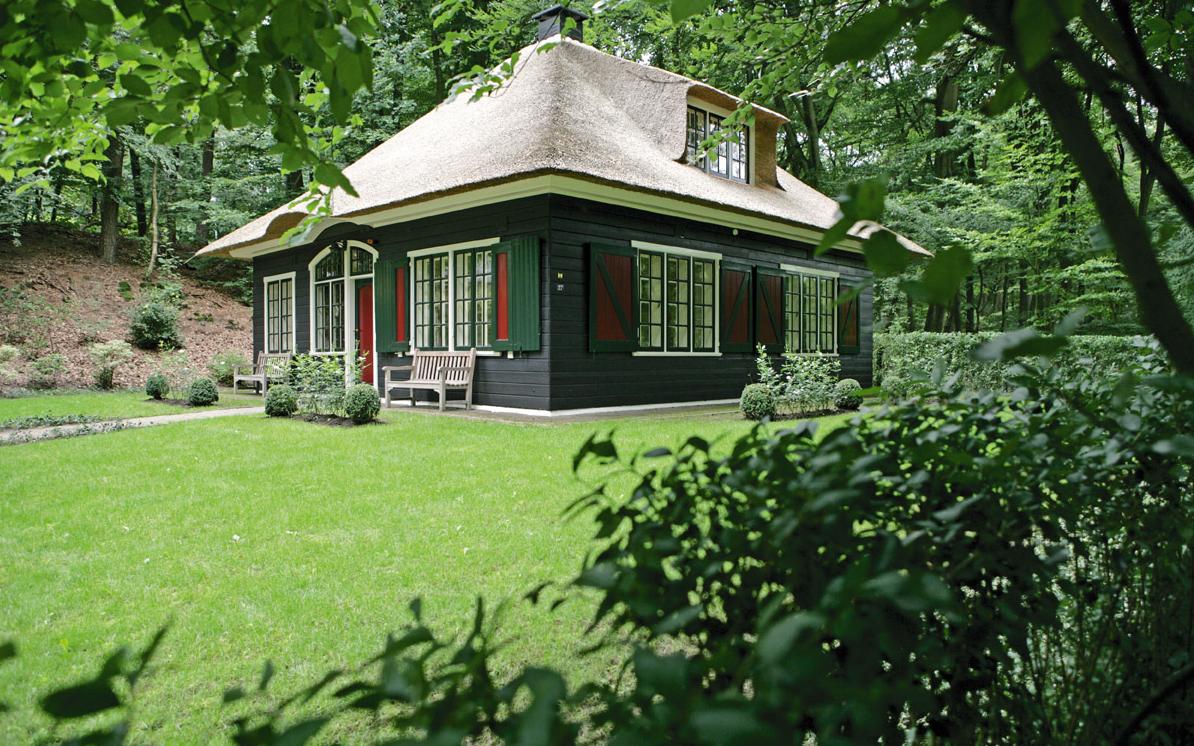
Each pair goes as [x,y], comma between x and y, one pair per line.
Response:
[434,371]
[268,367]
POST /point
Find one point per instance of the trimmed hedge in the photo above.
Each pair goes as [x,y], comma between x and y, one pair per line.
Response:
[902,360]
[846,394]
[281,401]
[361,403]
[157,385]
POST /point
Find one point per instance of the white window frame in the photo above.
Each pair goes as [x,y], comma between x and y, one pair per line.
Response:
[696,254]
[265,283]
[450,250]
[722,112]
[350,305]
[796,269]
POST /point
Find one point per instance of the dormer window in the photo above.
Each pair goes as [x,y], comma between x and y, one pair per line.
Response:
[730,159]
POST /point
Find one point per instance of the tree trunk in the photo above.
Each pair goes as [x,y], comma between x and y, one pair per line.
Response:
[57,197]
[110,200]
[812,129]
[1003,303]
[945,105]
[971,311]
[153,220]
[207,164]
[1023,296]
[138,191]
[294,183]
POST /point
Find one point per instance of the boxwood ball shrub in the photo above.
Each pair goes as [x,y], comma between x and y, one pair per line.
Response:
[157,386]
[155,326]
[281,401]
[361,403]
[846,394]
[757,401]
[203,393]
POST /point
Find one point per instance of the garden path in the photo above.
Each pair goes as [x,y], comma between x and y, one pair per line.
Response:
[12,437]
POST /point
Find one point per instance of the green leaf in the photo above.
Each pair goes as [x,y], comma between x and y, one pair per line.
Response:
[80,700]
[865,37]
[884,254]
[95,13]
[1179,445]
[661,674]
[683,9]
[725,725]
[1019,343]
[940,25]
[300,733]
[944,273]
[677,620]
[1035,25]
[601,575]
[1009,93]
[233,694]
[775,643]
[135,85]
[8,650]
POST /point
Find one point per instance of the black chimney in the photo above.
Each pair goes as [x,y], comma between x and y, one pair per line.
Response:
[551,22]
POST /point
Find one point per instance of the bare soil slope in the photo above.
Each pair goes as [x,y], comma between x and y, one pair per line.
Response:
[68,298]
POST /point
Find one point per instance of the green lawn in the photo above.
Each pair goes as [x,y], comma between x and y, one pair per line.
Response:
[106,404]
[262,539]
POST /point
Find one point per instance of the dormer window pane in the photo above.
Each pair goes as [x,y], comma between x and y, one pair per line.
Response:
[730,159]
[696,133]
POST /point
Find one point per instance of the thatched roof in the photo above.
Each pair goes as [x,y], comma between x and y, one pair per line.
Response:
[571,110]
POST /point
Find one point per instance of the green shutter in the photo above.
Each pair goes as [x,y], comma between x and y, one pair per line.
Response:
[613,298]
[516,294]
[387,295]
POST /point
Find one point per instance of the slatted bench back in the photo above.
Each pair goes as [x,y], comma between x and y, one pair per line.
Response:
[426,366]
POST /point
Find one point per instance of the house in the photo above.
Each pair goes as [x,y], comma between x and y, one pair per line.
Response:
[569,227]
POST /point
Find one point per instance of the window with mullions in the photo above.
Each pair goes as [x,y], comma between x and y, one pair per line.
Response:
[431,301]
[704,318]
[474,299]
[279,315]
[809,315]
[827,315]
[676,298]
[329,302]
[650,301]
[792,312]
[678,306]
[361,262]
[730,159]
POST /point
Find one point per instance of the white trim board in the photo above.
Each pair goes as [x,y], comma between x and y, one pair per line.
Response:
[625,409]
[569,186]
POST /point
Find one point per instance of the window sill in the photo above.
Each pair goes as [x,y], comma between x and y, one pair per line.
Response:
[657,353]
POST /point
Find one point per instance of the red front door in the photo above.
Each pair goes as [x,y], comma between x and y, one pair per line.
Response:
[365,329]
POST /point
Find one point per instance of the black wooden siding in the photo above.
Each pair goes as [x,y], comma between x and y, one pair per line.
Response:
[563,374]
[580,378]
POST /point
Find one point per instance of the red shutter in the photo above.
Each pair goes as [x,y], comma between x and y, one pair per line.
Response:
[735,309]
[769,309]
[503,296]
[400,333]
[613,299]
[849,339]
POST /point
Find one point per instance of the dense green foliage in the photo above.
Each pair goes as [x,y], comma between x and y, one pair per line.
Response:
[154,326]
[106,357]
[46,370]
[801,384]
[202,393]
[223,364]
[904,361]
[157,386]
[361,403]
[281,400]
[757,401]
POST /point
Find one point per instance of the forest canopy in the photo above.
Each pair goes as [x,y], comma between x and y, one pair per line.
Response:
[239,112]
